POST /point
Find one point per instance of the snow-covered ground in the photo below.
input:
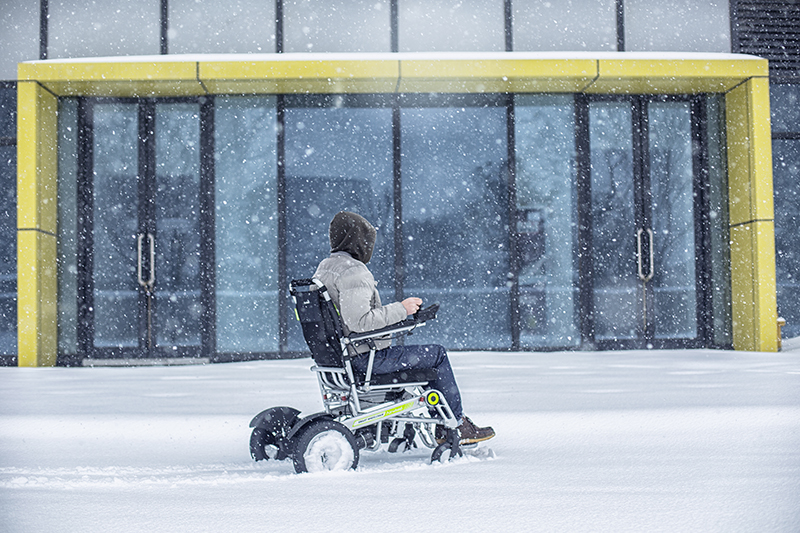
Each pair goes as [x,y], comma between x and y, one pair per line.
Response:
[668,441]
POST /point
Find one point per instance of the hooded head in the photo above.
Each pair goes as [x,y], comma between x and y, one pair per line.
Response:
[352,233]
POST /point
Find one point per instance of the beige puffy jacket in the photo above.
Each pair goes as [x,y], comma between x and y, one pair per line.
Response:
[353,290]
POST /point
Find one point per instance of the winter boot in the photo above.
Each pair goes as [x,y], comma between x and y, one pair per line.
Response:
[468,432]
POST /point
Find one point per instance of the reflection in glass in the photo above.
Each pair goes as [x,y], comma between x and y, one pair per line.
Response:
[786,171]
[337,159]
[246,225]
[115,218]
[8,250]
[177,215]
[616,296]
[67,225]
[674,284]
[455,222]
[546,221]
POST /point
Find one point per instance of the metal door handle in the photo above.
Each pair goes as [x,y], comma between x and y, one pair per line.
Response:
[642,276]
[152,277]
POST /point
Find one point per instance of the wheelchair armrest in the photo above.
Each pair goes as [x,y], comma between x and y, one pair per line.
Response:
[417,319]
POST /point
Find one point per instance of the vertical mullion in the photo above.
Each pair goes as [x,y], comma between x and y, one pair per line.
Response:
[643,212]
[394,26]
[146,215]
[702,225]
[44,17]
[164,42]
[278,26]
[509,25]
[584,200]
[208,330]
[620,25]
[85,220]
[397,187]
[283,322]
[513,258]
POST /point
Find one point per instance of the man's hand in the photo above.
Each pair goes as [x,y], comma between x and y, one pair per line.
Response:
[412,305]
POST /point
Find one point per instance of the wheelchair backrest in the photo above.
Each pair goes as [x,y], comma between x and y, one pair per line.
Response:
[320,321]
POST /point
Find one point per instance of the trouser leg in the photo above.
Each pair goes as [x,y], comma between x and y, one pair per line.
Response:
[396,358]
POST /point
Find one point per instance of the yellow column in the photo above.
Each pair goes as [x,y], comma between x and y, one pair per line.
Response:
[37,148]
[751,217]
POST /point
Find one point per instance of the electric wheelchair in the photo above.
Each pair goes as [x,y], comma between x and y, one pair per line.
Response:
[362,410]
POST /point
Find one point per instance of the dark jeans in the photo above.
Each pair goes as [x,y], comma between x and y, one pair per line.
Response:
[396,358]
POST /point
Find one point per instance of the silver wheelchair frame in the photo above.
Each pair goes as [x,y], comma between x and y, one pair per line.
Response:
[365,411]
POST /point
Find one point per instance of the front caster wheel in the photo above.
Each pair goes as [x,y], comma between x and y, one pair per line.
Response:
[449,449]
[325,445]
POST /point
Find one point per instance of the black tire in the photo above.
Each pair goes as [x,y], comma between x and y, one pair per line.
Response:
[325,445]
[263,445]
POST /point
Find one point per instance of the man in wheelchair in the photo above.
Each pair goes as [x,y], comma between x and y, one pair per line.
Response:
[352,289]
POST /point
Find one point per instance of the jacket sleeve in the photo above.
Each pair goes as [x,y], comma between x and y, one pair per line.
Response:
[360,306]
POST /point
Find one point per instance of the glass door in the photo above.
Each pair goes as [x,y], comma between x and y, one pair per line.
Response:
[143,244]
[644,287]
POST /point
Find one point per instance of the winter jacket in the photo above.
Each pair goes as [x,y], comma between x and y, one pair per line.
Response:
[353,290]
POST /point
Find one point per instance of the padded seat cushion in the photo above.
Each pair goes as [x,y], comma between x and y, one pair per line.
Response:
[403,376]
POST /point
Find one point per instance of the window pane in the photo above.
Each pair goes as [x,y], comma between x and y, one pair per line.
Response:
[337,158]
[680,25]
[336,26]
[720,289]
[546,221]
[565,25]
[246,225]
[672,191]
[451,25]
[115,218]
[8,111]
[616,295]
[8,250]
[95,28]
[786,171]
[67,226]
[177,217]
[221,27]
[785,106]
[455,222]
[19,36]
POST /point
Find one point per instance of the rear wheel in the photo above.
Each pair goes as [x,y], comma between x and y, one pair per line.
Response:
[325,445]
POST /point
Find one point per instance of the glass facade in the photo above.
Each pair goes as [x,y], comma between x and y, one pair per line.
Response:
[338,158]
[246,225]
[547,221]
[455,221]
[231,217]
[785,102]
[8,221]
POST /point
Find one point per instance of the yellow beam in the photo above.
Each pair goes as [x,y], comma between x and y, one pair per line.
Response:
[674,76]
[751,217]
[496,75]
[36,225]
[298,76]
[128,78]
[387,73]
